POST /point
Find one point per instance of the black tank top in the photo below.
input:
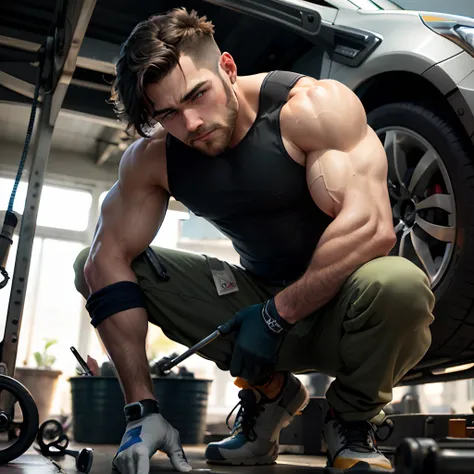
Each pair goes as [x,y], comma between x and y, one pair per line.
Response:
[254,193]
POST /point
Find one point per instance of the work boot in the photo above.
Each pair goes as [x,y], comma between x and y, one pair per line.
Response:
[255,435]
[353,443]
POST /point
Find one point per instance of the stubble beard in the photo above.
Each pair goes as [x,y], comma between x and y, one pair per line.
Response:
[220,140]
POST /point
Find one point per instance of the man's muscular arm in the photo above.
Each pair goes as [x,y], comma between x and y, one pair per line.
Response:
[346,170]
[131,215]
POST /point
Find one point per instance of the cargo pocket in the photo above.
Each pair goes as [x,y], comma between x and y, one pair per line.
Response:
[362,309]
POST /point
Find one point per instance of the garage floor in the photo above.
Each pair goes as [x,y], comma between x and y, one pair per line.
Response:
[33,463]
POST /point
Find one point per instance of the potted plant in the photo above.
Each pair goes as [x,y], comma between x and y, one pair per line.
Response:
[97,404]
[41,380]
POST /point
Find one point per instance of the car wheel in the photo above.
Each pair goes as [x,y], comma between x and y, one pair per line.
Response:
[431,185]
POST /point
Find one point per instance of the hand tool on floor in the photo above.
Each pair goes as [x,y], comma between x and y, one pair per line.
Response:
[84,459]
[164,365]
[53,442]
[82,362]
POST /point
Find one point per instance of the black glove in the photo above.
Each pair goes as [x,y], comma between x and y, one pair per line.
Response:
[260,334]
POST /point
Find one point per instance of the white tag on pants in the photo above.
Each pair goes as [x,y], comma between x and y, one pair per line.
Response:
[223,277]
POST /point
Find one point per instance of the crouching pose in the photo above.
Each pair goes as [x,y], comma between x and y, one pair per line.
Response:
[287,167]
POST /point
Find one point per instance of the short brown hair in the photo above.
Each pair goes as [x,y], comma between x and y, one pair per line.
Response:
[151,51]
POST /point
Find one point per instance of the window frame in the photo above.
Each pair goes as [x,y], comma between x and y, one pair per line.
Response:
[94,188]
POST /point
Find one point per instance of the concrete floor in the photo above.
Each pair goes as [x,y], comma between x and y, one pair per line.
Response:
[33,463]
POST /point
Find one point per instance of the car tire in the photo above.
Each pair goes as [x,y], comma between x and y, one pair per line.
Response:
[453,329]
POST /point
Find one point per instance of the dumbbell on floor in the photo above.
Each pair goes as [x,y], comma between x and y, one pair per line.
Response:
[426,456]
[84,459]
[54,442]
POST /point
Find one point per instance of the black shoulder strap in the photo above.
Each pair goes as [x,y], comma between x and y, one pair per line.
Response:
[275,89]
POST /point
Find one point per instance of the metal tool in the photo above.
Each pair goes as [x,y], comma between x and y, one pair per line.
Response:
[53,442]
[164,365]
[84,458]
[82,362]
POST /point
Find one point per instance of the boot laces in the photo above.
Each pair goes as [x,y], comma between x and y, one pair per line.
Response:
[250,409]
[387,422]
[357,436]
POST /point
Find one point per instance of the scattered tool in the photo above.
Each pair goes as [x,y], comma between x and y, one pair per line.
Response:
[164,365]
[82,362]
[53,441]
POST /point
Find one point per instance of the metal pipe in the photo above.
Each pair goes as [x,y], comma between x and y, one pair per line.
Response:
[91,85]
[20,44]
[44,135]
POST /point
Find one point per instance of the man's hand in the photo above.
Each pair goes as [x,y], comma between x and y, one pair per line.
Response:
[142,439]
[260,334]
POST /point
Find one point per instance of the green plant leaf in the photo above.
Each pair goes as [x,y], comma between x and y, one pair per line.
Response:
[38,358]
[49,343]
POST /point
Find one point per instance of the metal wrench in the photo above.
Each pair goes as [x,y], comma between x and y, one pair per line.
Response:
[165,364]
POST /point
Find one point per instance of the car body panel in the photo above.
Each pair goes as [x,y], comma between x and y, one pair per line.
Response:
[463,103]
[447,74]
[328,14]
[342,4]
[422,48]
[408,45]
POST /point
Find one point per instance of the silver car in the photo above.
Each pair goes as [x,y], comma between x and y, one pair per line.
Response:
[414,72]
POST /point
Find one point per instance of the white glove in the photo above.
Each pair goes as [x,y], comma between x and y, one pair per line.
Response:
[142,439]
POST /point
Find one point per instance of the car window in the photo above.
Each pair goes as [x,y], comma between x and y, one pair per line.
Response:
[339,4]
[375,4]
[323,3]
[387,4]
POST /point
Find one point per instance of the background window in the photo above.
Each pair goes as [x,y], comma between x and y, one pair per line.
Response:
[470,390]
[60,208]
[53,308]
[170,230]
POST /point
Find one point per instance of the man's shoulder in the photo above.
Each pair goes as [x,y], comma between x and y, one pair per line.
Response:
[317,109]
[145,160]
[251,86]
[310,97]
[308,88]
[145,148]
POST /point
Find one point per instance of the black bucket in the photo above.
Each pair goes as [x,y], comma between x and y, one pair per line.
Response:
[97,408]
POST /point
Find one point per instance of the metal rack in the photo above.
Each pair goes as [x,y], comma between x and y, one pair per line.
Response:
[56,62]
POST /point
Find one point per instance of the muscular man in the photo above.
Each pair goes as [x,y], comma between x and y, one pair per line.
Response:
[287,167]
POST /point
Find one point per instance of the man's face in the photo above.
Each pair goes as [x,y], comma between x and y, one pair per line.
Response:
[198,107]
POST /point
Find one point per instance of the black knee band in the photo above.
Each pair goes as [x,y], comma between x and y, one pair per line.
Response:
[113,299]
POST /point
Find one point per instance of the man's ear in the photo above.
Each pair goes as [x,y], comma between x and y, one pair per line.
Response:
[227,64]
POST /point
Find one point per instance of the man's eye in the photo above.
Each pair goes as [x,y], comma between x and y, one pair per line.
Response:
[199,95]
[168,115]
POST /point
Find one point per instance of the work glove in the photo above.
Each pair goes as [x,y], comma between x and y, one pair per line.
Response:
[142,439]
[260,332]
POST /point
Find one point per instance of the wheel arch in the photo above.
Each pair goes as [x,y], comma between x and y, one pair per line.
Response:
[404,86]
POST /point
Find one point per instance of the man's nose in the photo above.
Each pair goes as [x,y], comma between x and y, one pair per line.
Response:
[192,120]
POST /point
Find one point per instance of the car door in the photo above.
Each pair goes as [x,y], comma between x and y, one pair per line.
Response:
[300,17]
[313,20]
[316,61]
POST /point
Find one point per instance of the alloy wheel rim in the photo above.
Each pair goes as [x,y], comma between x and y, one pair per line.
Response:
[422,200]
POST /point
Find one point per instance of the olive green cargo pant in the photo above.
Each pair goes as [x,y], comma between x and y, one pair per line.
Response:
[367,337]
